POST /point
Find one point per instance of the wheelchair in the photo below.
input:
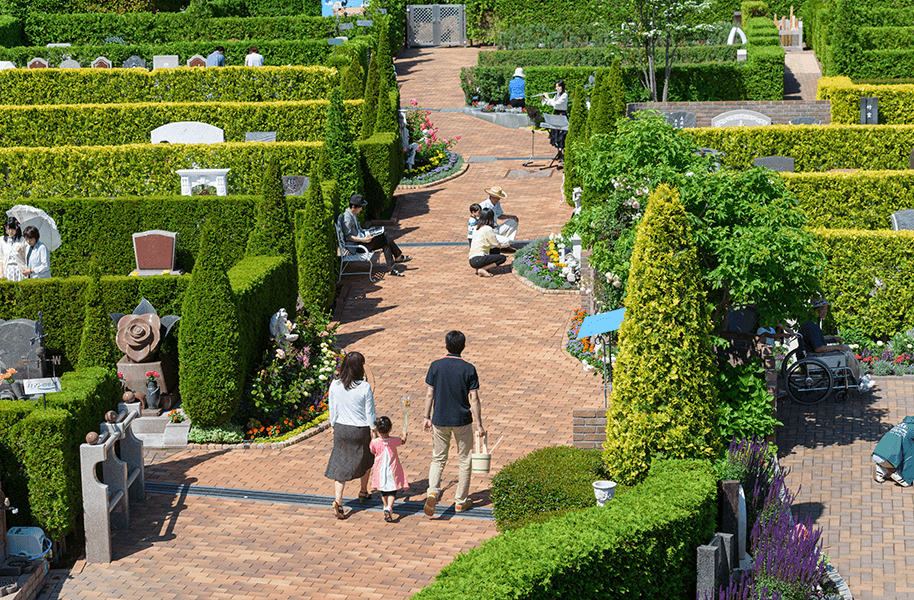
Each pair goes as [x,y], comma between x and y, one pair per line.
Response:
[811,379]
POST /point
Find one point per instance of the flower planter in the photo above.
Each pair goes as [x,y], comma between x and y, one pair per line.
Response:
[152,395]
[604,491]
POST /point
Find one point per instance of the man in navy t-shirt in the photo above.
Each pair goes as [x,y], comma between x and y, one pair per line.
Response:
[453,391]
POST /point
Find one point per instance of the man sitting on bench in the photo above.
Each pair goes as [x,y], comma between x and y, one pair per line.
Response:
[354,234]
[817,343]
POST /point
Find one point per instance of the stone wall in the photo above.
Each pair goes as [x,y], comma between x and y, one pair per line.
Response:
[780,111]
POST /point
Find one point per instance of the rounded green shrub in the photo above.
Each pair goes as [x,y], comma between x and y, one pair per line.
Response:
[209,373]
[664,397]
[547,480]
[272,234]
[97,347]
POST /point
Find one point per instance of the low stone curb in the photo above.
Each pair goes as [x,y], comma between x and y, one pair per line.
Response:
[264,445]
[460,171]
[539,289]
[836,578]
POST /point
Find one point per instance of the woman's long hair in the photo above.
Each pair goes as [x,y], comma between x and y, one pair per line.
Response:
[486,217]
[352,370]
[12,223]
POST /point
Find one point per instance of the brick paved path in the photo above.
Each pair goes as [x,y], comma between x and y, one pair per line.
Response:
[801,75]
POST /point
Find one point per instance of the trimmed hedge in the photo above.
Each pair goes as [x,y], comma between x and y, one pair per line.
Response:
[814,148]
[10,31]
[896,102]
[382,169]
[868,279]
[546,480]
[114,86]
[39,448]
[639,543]
[118,124]
[594,57]
[861,200]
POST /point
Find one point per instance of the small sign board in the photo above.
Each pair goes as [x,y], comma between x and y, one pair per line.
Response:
[338,41]
[45,385]
[382,11]
[345,26]
[601,323]
[362,23]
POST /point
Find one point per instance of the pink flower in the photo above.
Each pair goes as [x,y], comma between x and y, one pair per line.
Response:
[457,138]
[414,102]
[428,112]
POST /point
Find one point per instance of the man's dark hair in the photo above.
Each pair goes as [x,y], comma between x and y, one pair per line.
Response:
[455,342]
[220,49]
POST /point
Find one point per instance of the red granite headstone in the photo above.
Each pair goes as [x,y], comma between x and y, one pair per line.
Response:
[155,250]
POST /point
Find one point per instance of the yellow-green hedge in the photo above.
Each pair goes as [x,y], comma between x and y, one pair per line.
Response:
[896,102]
[869,279]
[813,147]
[115,124]
[183,84]
[858,200]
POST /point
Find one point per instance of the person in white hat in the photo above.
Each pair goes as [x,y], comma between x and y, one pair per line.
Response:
[516,89]
[506,229]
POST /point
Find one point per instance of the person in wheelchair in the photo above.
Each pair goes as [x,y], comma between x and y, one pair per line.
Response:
[827,346]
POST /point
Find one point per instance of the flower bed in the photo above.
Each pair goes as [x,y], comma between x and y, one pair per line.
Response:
[433,159]
[443,164]
[585,350]
[548,263]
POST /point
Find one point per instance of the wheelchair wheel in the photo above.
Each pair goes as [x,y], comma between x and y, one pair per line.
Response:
[809,381]
[789,360]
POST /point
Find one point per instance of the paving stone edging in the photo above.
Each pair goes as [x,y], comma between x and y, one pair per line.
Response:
[264,445]
[539,289]
[836,578]
[460,171]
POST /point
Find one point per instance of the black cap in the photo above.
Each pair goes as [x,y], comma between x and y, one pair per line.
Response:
[357,200]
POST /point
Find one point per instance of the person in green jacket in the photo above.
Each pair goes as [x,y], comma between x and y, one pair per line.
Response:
[894,455]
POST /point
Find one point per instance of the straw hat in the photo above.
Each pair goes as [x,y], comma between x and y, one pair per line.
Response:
[497,191]
[518,72]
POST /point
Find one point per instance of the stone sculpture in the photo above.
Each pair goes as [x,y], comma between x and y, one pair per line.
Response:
[281,329]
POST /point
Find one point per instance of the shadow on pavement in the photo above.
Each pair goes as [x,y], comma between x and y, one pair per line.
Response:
[830,423]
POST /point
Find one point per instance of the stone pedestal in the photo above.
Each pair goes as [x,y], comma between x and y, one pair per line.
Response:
[135,374]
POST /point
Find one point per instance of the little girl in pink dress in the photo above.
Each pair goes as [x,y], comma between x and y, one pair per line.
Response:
[387,474]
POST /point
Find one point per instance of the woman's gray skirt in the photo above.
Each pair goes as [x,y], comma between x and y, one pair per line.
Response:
[350,457]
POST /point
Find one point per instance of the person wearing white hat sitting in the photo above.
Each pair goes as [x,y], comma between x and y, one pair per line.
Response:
[516,89]
[506,229]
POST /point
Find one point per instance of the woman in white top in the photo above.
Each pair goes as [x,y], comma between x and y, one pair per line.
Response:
[483,241]
[37,256]
[12,251]
[560,101]
[352,417]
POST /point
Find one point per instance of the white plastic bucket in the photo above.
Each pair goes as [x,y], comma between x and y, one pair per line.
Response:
[481,460]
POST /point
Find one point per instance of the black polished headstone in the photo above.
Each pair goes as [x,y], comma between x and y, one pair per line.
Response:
[781,164]
[869,111]
[18,351]
[903,219]
[134,62]
[681,119]
[804,121]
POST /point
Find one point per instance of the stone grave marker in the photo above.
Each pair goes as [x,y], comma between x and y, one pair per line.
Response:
[804,121]
[740,118]
[362,23]
[187,132]
[903,219]
[17,350]
[7,64]
[165,61]
[38,63]
[196,60]
[260,136]
[70,64]
[681,119]
[101,63]
[911,160]
[869,111]
[781,164]
[59,45]
[338,41]
[295,185]
[346,26]
[134,62]
[154,251]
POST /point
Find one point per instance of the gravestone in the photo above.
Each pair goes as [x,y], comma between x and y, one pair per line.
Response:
[196,61]
[165,61]
[911,160]
[59,45]
[781,164]
[869,111]
[742,55]
[70,64]
[154,251]
[101,63]
[38,63]
[7,64]
[187,132]
[740,118]
[260,136]
[338,41]
[17,350]
[804,121]
[903,219]
[295,185]
[362,23]
[134,62]
[681,119]
[346,26]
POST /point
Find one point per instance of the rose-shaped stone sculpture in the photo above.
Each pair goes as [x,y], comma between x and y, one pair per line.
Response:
[139,336]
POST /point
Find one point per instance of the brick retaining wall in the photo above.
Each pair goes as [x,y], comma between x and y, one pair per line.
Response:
[588,428]
[780,111]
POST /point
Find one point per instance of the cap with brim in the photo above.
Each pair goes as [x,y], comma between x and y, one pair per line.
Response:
[497,191]
[820,302]
[357,200]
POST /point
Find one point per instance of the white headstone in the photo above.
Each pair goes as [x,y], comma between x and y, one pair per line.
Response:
[740,118]
[66,45]
[191,178]
[7,64]
[187,132]
[736,31]
[165,61]
[70,64]
[742,55]
[101,63]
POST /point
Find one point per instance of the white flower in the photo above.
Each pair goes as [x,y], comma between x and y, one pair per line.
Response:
[879,343]
[636,205]
[280,353]
[322,377]
[617,283]
[587,367]
[909,346]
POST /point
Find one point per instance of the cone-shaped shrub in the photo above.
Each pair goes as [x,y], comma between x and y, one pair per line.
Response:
[316,249]
[615,93]
[605,109]
[575,144]
[272,234]
[210,377]
[663,398]
[387,116]
[353,82]
[97,348]
[342,155]
[385,60]
[369,110]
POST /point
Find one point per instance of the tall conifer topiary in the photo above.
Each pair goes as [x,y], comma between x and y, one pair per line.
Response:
[316,245]
[615,93]
[272,234]
[575,144]
[97,347]
[385,60]
[369,110]
[664,397]
[387,116]
[210,377]
[596,99]
[353,82]
[342,156]
[605,109]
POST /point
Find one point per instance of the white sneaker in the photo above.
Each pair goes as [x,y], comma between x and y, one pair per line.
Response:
[878,474]
[897,479]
